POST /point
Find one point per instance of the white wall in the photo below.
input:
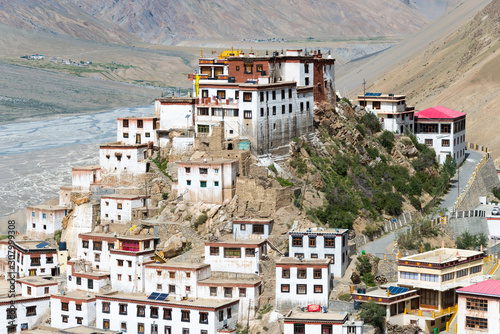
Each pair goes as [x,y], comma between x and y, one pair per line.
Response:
[40,226]
[89,254]
[180,281]
[42,306]
[87,312]
[174,116]
[136,271]
[240,232]
[492,315]
[243,264]
[111,212]
[111,164]
[312,328]
[146,134]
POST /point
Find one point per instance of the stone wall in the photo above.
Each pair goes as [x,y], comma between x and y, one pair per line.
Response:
[472,224]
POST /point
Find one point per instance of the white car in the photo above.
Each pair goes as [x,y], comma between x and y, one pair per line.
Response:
[495,211]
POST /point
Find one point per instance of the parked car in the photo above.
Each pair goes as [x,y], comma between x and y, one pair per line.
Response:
[495,211]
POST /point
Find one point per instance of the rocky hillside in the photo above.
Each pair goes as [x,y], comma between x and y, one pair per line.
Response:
[171,21]
[459,72]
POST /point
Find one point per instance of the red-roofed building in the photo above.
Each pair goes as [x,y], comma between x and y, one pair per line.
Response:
[479,308]
[442,129]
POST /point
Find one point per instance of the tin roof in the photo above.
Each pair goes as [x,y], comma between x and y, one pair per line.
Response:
[439,112]
[488,287]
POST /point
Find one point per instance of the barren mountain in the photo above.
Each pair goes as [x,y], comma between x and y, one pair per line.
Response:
[172,21]
[460,71]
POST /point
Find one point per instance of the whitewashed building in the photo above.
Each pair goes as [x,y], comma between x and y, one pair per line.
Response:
[296,322]
[35,258]
[242,256]
[95,248]
[137,130]
[43,220]
[207,180]
[81,276]
[321,244]
[442,129]
[65,195]
[84,177]
[118,208]
[119,158]
[76,308]
[136,313]
[302,282]
[252,228]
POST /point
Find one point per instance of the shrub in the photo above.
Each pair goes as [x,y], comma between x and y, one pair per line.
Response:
[200,220]
[164,196]
[394,204]
[371,122]
[415,202]
[361,129]
[471,241]
[372,152]
[57,236]
[284,182]
[363,264]
[374,314]
[387,140]
[496,192]
[368,279]
[273,169]
[345,297]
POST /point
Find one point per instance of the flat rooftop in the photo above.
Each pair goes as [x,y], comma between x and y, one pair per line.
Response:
[89,167]
[137,237]
[231,241]
[232,281]
[123,145]
[47,207]
[37,281]
[179,265]
[99,235]
[442,255]
[208,161]
[296,261]
[124,196]
[40,329]
[32,244]
[77,294]
[332,316]
[315,230]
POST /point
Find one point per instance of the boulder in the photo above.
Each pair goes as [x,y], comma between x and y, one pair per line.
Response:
[174,245]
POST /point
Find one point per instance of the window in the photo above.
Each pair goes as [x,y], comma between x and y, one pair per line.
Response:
[447,277]
[258,229]
[318,289]
[167,313]
[283,109]
[203,318]
[216,183]
[214,251]
[46,290]
[50,259]
[229,313]
[188,289]
[330,242]
[290,109]
[317,273]
[119,277]
[429,277]
[44,216]
[119,206]
[289,93]
[312,241]
[285,273]
[213,291]
[301,289]
[307,105]
[247,97]
[463,272]
[259,68]
[376,105]
[477,304]
[141,311]
[28,290]
[105,307]
[78,281]
[203,112]
[299,329]
[122,309]
[85,244]
[221,94]
[274,110]
[242,227]
[306,68]
[243,292]
[30,311]
[475,270]
[285,288]
[187,170]
[314,255]
[429,297]
[97,245]
[428,128]
[445,128]
[232,252]
[65,318]
[203,184]
[296,241]
[78,307]
[299,255]
[247,114]
[79,320]
[261,96]
[261,112]
[188,182]
[301,273]
[274,95]
[140,328]
[65,306]
[248,68]
[408,275]
[125,135]
[90,283]
[306,81]
[140,123]
[228,292]
[147,134]
[473,322]
[154,312]
[250,252]
[185,315]
[203,128]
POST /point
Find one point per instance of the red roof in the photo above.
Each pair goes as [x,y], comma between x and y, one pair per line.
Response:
[487,287]
[439,113]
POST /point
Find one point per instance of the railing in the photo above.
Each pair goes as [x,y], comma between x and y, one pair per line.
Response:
[432,314]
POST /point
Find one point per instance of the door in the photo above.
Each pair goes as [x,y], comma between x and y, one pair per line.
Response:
[138,138]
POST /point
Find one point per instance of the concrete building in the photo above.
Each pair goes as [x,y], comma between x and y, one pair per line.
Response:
[95,248]
[442,129]
[209,181]
[83,178]
[136,313]
[81,276]
[321,244]
[479,308]
[76,308]
[137,130]
[296,322]
[119,158]
[391,110]
[43,220]
[252,228]
[242,256]
[302,282]
[35,258]
[119,208]
[65,195]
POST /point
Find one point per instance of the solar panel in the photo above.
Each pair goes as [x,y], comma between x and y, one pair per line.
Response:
[395,290]
[162,296]
[153,296]
[42,244]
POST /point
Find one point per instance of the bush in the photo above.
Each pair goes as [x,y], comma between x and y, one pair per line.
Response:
[164,196]
[368,279]
[57,236]
[394,204]
[345,297]
[415,202]
[372,152]
[387,140]
[470,241]
[373,314]
[200,220]
[361,129]
[363,264]
[371,122]
[496,192]
[273,169]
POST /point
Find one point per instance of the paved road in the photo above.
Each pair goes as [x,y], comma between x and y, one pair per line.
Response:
[386,243]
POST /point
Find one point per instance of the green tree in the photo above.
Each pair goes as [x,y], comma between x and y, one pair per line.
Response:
[471,241]
[387,140]
[374,314]
[364,265]
[371,122]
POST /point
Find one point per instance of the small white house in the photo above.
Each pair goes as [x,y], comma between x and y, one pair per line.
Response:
[119,158]
[242,256]
[84,177]
[65,195]
[81,276]
[43,220]
[252,228]
[76,308]
[207,180]
[35,258]
[118,208]
[321,244]
[302,282]
[95,248]
[137,130]
[296,322]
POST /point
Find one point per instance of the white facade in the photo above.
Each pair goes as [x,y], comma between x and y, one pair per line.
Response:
[81,276]
[72,309]
[83,178]
[210,181]
[33,261]
[95,248]
[322,244]
[175,113]
[252,228]
[118,208]
[137,130]
[320,323]
[302,282]
[238,257]
[136,313]
[117,158]
[43,220]
[30,312]
[65,196]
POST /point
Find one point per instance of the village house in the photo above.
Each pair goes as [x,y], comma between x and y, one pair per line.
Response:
[442,129]
[84,177]
[479,308]
[302,282]
[391,110]
[314,243]
[71,309]
[31,302]
[35,258]
[296,322]
[252,228]
[119,158]
[43,220]
[128,260]
[95,248]
[137,130]
[81,276]
[207,180]
[242,256]
[119,208]
[158,313]
[65,195]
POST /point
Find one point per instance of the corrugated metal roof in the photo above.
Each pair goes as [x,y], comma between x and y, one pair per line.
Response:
[439,112]
[487,287]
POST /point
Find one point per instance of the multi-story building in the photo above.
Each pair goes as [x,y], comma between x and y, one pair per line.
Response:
[76,308]
[242,256]
[81,276]
[252,228]
[302,282]
[207,180]
[321,243]
[95,248]
[442,129]
[391,110]
[157,313]
[121,208]
[35,258]
[137,130]
[119,158]
[479,308]
[296,322]
[42,220]
[83,178]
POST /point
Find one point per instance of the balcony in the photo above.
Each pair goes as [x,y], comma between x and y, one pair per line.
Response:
[429,314]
